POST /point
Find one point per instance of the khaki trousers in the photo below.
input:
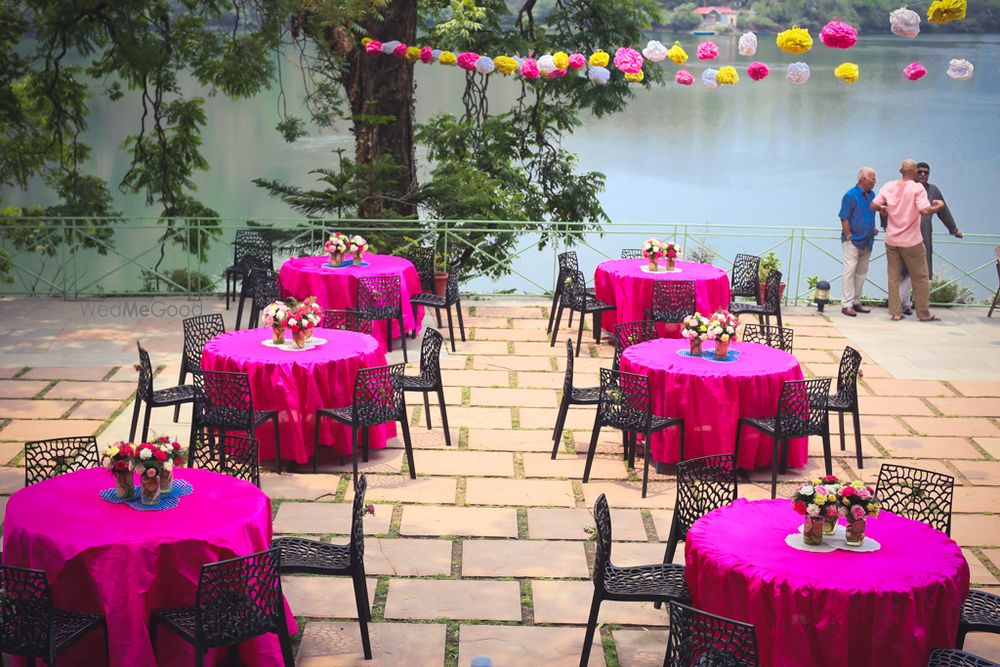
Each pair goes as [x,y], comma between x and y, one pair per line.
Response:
[855,271]
[914,259]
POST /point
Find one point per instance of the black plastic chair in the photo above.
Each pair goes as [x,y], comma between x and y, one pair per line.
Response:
[846,398]
[917,494]
[198,330]
[304,556]
[745,278]
[567,262]
[226,454]
[251,250]
[700,639]
[801,412]
[980,613]
[632,253]
[628,334]
[224,403]
[154,398]
[673,301]
[949,657]
[380,298]
[780,338]
[378,398]
[347,320]
[32,627]
[771,305]
[265,289]
[237,599]
[996,297]
[45,459]
[451,298]
[571,396]
[703,484]
[576,297]
[422,258]
[641,583]
[625,404]
[430,379]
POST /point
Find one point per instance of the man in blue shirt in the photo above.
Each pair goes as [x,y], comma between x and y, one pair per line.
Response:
[857,222]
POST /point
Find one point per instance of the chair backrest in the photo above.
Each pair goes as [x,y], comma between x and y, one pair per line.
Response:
[602,552]
[347,320]
[378,395]
[568,261]
[916,494]
[378,297]
[266,288]
[953,657]
[199,330]
[45,459]
[772,292]
[227,454]
[451,293]
[252,250]
[802,408]
[144,389]
[25,612]
[673,300]
[624,401]
[568,377]
[239,599]
[574,288]
[847,377]
[422,258]
[780,338]
[357,546]
[225,400]
[703,484]
[631,253]
[698,639]
[628,334]
[744,279]
[430,356]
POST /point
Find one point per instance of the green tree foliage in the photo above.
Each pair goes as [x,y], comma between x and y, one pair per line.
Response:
[867,15]
[682,18]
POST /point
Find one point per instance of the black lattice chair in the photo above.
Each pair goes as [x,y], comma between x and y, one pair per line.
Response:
[31,627]
[780,338]
[801,412]
[700,639]
[380,298]
[625,404]
[567,262]
[430,379]
[45,459]
[451,298]
[846,398]
[251,250]
[917,494]
[224,404]
[672,301]
[641,583]
[198,330]
[151,398]
[378,398]
[771,305]
[628,334]
[237,599]
[571,396]
[703,484]
[578,299]
[347,320]
[632,253]
[304,556]
[265,289]
[980,613]
[996,297]
[226,454]
[745,278]
[949,657]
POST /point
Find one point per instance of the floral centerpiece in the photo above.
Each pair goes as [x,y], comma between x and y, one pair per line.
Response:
[672,251]
[832,485]
[653,250]
[816,503]
[118,460]
[175,454]
[358,246]
[336,246]
[275,315]
[150,462]
[300,321]
[722,329]
[856,502]
[695,329]
[314,313]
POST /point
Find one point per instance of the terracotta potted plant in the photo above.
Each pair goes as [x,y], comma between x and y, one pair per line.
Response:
[767,263]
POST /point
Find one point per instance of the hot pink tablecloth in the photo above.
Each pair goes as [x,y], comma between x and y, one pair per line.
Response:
[888,607]
[711,397]
[336,289]
[107,558]
[297,383]
[623,283]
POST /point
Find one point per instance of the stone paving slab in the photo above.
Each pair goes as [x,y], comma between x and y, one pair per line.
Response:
[104,390]
[465,521]
[95,410]
[641,648]
[520,645]
[485,333]
[19,408]
[895,405]
[324,597]
[513,397]
[524,558]
[23,430]
[513,441]
[385,461]
[324,518]
[570,466]
[977,388]
[479,417]
[9,450]
[22,388]
[569,602]
[660,493]
[11,479]
[915,446]
[975,530]
[89,373]
[569,524]
[639,553]
[979,574]
[331,644]
[893,387]
[520,492]
[966,427]
[494,363]
[402,557]
[551,379]
[430,599]
[459,463]
[294,486]
[976,499]
[985,473]
[406,490]
[967,407]
[545,418]
[478,378]
[991,445]
[984,644]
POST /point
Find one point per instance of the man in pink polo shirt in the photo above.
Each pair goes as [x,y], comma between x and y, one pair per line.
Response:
[905,201]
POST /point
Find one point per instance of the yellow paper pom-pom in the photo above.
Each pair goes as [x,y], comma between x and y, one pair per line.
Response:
[946,11]
[727,75]
[794,40]
[599,59]
[413,53]
[848,72]
[505,64]
[677,53]
[365,40]
[448,58]
[634,77]
[561,59]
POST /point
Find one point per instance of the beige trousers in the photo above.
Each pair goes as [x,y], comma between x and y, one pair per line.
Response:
[855,271]
[914,259]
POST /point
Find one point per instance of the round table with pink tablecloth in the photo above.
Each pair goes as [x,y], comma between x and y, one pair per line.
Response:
[867,609]
[123,563]
[626,285]
[297,383]
[336,288]
[711,396]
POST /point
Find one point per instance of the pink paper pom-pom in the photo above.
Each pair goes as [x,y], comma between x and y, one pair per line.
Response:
[628,60]
[400,50]
[708,51]
[556,73]
[426,55]
[577,60]
[757,70]
[838,35]
[529,68]
[374,46]
[914,71]
[467,60]
[684,77]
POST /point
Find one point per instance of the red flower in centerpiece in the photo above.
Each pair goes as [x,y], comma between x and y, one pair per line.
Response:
[160,455]
[799,507]
[830,479]
[848,491]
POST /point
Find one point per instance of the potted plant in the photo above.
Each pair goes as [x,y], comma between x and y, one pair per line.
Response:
[440,275]
[767,263]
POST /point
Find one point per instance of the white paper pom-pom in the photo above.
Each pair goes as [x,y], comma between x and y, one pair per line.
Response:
[748,44]
[387,47]
[546,64]
[960,69]
[709,78]
[484,65]
[797,73]
[436,55]
[599,75]
[654,51]
[904,22]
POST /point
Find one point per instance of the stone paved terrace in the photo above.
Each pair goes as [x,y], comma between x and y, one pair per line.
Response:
[486,553]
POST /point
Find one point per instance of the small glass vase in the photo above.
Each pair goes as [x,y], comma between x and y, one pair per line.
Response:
[299,338]
[359,258]
[336,258]
[124,484]
[653,264]
[812,530]
[278,335]
[166,481]
[671,263]
[695,344]
[149,489]
[829,525]
[855,532]
[721,349]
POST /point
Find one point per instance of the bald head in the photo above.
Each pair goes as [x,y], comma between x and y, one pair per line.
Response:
[908,170]
[866,178]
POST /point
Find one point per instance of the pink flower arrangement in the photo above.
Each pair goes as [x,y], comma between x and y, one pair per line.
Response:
[336,243]
[426,55]
[171,448]
[467,60]
[150,460]
[708,51]
[628,60]
[399,50]
[529,68]
[684,77]
[757,70]
[856,501]
[577,61]
[118,457]
[301,318]
[374,47]
[722,326]
[914,71]
[838,35]
[672,250]
[815,500]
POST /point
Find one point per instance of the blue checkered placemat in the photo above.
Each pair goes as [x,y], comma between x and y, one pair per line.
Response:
[167,500]
[343,265]
[709,355]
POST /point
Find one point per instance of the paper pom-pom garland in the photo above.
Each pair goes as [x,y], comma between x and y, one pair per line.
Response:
[634,77]
[400,50]
[797,73]
[448,58]
[709,78]
[529,68]
[914,71]
[577,61]
[708,51]
[677,53]
[654,51]
[505,64]
[365,40]
[426,55]
[847,72]
[373,46]
[795,40]
[413,53]
[748,44]
[484,65]
[436,55]
[628,60]
[546,65]
[599,75]
[946,11]
[757,70]
[838,35]
[556,73]
[599,59]
[389,47]
[727,75]
[960,69]
[684,77]
[467,60]
[904,22]
[561,59]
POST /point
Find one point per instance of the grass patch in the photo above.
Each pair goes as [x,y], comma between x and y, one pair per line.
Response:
[381,593]
[527,603]
[451,642]
[610,650]
[522,523]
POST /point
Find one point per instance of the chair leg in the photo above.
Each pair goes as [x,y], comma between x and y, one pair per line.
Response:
[579,334]
[458,313]
[827,455]
[365,435]
[451,329]
[593,446]
[286,644]
[645,462]
[388,335]
[135,419]
[233,657]
[557,431]
[595,612]
[843,445]
[571,311]
[786,444]
[316,445]
[361,599]
[960,638]
[416,324]
[180,382]
[277,443]
[444,416]
[555,331]
[778,316]
[408,444]
[153,627]
[354,453]
[680,444]
[597,326]
[552,309]
[107,644]
[996,299]
[402,336]
[775,453]
[437,316]
[239,308]
[228,281]
[668,555]
[427,408]
[145,420]
[856,416]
